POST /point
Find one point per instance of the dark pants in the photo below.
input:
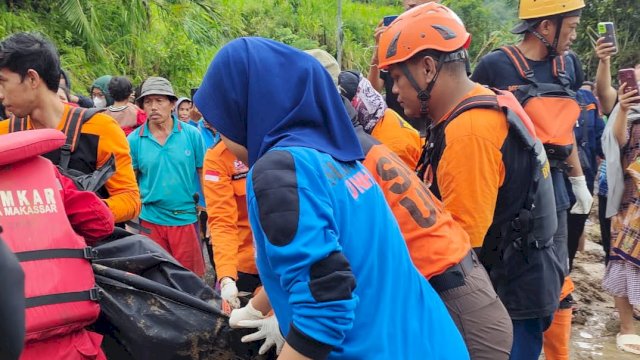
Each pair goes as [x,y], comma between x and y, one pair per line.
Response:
[560,240]
[605,226]
[527,338]
[202,234]
[575,228]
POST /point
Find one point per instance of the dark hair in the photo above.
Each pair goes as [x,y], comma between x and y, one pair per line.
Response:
[452,67]
[120,88]
[22,51]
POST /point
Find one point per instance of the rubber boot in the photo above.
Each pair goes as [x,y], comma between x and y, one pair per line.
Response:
[557,337]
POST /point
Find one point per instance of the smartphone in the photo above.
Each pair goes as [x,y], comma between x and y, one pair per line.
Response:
[608,31]
[387,20]
[628,76]
[193,92]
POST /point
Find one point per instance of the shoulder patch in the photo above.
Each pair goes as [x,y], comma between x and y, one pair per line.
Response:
[276,188]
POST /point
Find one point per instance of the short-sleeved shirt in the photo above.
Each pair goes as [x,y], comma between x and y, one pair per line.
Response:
[496,70]
[167,173]
[471,170]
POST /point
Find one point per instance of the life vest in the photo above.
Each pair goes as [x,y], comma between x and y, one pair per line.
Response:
[518,250]
[60,291]
[551,106]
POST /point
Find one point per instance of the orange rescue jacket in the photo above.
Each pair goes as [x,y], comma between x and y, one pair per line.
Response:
[224,186]
[399,137]
[435,241]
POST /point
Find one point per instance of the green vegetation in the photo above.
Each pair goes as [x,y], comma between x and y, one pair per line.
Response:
[178,38]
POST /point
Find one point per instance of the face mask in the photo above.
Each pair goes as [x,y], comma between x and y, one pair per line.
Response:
[99,102]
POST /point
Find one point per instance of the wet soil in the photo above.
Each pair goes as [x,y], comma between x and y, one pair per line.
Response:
[595,321]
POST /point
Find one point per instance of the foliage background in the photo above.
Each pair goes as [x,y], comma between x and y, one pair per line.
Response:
[178,38]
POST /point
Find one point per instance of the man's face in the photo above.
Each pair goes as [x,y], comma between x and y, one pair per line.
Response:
[410,4]
[402,87]
[17,95]
[568,33]
[158,108]
[184,111]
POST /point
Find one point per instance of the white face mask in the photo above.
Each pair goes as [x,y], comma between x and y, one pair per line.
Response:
[99,102]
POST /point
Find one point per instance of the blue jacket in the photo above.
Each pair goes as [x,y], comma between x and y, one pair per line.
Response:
[591,145]
[334,263]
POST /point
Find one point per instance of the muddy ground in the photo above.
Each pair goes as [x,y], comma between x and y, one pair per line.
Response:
[595,322]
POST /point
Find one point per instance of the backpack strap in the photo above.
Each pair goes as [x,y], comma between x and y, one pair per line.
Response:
[72,129]
[17,124]
[434,147]
[520,62]
[559,67]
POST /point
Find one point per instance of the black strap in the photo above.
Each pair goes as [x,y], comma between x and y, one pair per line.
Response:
[520,62]
[86,253]
[17,124]
[92,295]
[433,148]
[73,130]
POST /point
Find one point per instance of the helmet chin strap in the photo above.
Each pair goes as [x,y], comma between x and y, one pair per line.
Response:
[424,95]
[551,48]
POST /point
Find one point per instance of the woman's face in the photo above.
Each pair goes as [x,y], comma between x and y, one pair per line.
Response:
[184,110]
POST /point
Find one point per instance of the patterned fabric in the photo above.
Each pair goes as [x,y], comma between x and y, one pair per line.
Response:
[601,183]
[622,279]
[369,104]
[626,221]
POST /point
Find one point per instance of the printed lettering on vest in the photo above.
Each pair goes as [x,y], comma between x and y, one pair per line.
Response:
[359,183]
[414,198]
[28,202]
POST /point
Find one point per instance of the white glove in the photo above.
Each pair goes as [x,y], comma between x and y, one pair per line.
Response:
[229,292]
[246,313]
[584,199]
[268,330]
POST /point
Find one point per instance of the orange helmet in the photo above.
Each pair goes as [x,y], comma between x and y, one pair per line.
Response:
[428,26]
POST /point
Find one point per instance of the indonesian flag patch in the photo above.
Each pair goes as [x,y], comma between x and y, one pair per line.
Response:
[211,175]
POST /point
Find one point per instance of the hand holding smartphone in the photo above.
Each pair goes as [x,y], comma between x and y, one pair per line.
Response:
[628,76]
[608,32]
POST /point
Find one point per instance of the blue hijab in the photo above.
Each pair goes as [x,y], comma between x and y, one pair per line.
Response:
[260,94]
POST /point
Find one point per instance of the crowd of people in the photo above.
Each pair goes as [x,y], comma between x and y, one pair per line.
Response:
[424,210]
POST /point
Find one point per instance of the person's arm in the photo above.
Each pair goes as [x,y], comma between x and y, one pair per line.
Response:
[124,195]
[469,175]
[222,210]
[374,71]
[599,129]
[605,92]
[302,251]
[89,216]
[289,353]
[620,125]
[12,304]
[575,169]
